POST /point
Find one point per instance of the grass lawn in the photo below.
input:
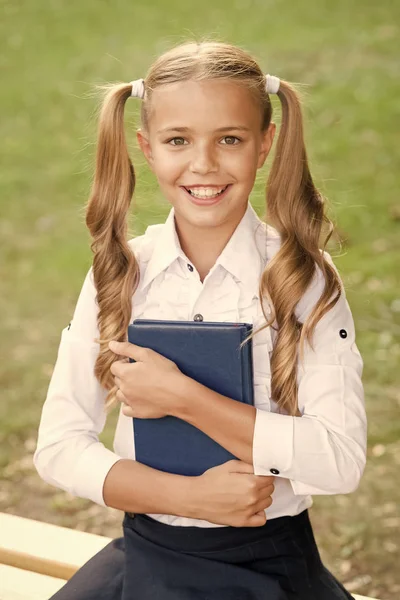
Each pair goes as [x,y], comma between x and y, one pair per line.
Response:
[347,53]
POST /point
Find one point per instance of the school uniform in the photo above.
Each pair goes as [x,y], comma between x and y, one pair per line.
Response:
[323,452]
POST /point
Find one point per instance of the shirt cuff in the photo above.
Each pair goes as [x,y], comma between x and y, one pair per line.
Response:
[91,471]
[272,443]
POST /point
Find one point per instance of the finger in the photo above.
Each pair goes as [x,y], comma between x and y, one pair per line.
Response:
[263,481]
[130,350]
[121,397]
[118,381]
[118,367]
[263,500]
[128,411]
[267,492]
[262,504]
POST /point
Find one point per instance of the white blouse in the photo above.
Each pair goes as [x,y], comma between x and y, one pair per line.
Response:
[323,452]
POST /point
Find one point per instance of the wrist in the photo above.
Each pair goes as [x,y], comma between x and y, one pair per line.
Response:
[182,391]
[189,497]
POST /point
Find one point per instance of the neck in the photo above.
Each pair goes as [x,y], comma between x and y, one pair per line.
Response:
[203,246]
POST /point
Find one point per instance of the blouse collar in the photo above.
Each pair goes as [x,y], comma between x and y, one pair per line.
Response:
[243,256]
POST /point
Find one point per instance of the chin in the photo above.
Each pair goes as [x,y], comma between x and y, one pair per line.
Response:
[200,219]
[203,210]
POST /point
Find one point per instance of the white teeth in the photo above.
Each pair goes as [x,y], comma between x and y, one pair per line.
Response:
[205,192]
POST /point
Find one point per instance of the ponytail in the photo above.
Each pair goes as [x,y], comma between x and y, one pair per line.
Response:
[115,268]
[296,209]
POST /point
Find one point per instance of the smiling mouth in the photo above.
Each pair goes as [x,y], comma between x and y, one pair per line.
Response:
[206,193]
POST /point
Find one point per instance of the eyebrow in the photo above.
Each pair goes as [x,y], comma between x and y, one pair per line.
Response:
[186,129]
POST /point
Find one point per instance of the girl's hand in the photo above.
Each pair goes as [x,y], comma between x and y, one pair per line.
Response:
[230,494]
[147,387]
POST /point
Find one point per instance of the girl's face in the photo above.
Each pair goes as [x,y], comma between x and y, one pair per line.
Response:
[204,136]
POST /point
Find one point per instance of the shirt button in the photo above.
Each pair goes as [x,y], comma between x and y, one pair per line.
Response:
[343,333]
[274,471]
[198,317]
[189,266]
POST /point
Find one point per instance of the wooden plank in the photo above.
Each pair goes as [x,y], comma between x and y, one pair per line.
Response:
[16,584]
[45,548]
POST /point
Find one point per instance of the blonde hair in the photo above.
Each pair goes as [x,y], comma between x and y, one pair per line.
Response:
[293,204]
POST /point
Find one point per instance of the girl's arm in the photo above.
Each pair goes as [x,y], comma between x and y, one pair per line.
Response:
[69,454]
[133,487]
[324,450]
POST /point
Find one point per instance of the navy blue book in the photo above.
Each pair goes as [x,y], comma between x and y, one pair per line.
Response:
[209,353]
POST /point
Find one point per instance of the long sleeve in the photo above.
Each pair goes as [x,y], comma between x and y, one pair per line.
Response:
[69,454]
[324,450]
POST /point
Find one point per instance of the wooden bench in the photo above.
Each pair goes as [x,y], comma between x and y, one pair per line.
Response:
[17,584]
[36,558]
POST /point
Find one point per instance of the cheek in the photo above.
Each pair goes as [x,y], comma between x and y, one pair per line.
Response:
[243,161]
[242,165]
[167,165]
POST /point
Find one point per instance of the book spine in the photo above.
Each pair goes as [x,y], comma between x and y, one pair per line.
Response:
[246,361]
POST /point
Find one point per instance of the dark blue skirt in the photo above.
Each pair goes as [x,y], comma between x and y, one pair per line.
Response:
[156,561]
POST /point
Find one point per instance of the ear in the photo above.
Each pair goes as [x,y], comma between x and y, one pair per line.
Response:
[144,143]
[266,144]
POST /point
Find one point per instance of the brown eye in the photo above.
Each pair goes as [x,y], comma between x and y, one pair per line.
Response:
[180,139]
[231,140]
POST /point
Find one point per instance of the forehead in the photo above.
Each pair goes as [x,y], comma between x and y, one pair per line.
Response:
[203,105]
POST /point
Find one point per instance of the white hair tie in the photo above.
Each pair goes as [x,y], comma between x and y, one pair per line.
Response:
[137,88]
[272,84]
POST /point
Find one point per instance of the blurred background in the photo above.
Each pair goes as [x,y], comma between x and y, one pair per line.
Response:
[347,55]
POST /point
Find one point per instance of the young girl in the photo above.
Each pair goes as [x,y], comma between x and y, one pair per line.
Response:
[241,530]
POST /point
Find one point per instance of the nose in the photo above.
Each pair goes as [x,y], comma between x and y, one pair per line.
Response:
[204,160]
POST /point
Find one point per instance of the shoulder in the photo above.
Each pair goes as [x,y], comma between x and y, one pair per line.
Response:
[143,245]
[274,241]
[315,290]
[268,240]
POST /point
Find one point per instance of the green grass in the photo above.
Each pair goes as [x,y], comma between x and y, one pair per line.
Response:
[347,55]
